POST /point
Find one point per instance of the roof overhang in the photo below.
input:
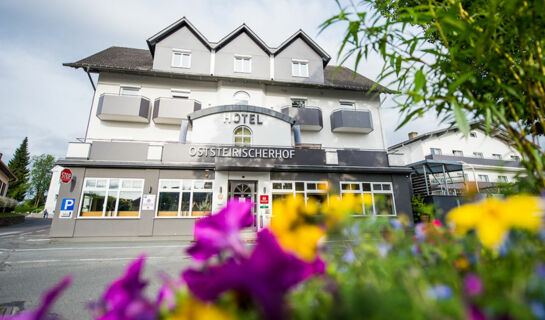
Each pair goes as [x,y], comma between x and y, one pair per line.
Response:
[183,22]
[308,40]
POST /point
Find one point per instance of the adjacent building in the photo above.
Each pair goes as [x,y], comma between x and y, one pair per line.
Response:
[5,176]
[179,128]
[446,162]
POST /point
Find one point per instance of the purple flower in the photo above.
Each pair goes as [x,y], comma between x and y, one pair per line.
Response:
[266,276]
[125,299]
[474,313]
[420,232]
[167,293]
[221,231]
[41,313]
[349,256]
[473,285]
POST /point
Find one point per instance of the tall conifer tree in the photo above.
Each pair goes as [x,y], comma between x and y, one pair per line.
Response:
[19,166]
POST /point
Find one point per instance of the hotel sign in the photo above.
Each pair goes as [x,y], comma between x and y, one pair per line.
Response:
[242,118]
[241,152]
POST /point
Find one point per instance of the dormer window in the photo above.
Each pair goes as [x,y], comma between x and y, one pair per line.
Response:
[181,58]
[299,68]
[243,63]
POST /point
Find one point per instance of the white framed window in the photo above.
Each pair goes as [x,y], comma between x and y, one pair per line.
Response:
[515,158]
[316,190]
[184,198]
[111,197]
[496,156]
[345,104]
[180,93]
[181,58]
[242,136]
[502,179]
[377,197]
[299,68]
[129,90]
[478,155]
[243,64]
[458,153]
[436,151]
[483,178]
[241,97]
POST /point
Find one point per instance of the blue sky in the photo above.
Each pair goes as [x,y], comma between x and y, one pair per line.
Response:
[50,103]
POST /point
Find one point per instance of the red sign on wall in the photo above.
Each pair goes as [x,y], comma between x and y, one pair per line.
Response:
[66,175]
[263,199]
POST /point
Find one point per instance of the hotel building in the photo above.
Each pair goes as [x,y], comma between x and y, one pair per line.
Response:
[176,130]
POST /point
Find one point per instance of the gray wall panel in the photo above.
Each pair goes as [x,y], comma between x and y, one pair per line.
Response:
[362,158]
[65,227]
[243,45]
[182,39]
[173,227]
[121,151]
[298,50]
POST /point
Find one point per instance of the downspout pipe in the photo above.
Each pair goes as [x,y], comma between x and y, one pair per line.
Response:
[91,79]
[297,133]
[183,131]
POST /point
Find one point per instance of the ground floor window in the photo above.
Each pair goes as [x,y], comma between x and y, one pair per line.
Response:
[307,189]
[111,197]
[377,197]
[184,198]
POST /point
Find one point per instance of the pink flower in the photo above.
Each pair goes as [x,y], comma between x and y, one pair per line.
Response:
[267,275]
[473,285]
[48,299]
[221,231]
[125,299]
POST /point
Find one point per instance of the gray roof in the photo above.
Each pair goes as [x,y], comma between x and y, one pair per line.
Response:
[140,61]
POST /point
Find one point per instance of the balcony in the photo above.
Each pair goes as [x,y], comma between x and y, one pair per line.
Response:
[308,118]
[351,121]
[476,161]
[115,107]
[172,110]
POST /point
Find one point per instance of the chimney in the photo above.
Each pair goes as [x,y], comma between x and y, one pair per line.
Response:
[413,135]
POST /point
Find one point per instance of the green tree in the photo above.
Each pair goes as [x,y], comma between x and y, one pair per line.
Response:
[480,59]
[40,176]
[19,166]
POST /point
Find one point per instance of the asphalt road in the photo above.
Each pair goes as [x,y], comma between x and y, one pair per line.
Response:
[31,263]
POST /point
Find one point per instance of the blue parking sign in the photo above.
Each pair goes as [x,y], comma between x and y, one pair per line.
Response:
[67,208]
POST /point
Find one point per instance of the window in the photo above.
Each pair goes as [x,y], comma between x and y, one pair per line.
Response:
[2,188]
[243,64]
[129,91]
[473,134]
[347,105]
[241,97]
[181,58]
[298,102]
[436,151]
[316,190]
[515,158]
[457,153]
[502,179]
[299,68]
[496,156]
[478,154]
[377,197]
[111,197]
[483,178]
[242,136]
[180,93]
[184,198]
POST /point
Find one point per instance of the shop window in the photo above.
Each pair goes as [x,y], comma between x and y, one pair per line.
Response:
[111,197]
[316,190]
[242,136]
[241,97]
[184,198]
[377,198]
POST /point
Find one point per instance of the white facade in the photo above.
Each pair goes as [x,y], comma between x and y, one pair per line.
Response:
[452,145]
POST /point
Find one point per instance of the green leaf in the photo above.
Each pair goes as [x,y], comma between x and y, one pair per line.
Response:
[419,80]
[461,119]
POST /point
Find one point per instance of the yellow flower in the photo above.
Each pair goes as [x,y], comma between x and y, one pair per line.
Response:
[194,309]
[340,208]
[492,218]
[293,226]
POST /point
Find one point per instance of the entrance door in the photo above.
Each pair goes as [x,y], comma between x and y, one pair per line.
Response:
[244,190]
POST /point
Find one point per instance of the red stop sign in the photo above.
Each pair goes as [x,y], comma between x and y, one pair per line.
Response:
[66,175]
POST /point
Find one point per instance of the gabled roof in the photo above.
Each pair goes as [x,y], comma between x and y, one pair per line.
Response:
[140,61]
[235,33]
[4,168]
[183,22]
[300,34]
[496,133]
